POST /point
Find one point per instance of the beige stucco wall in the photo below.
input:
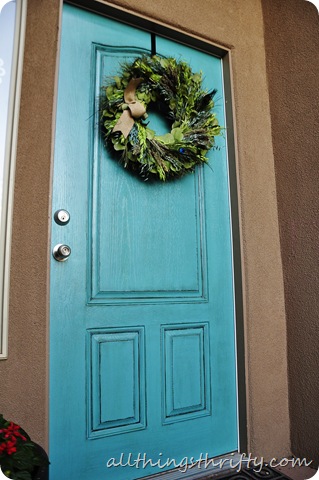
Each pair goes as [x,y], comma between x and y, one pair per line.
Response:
[292,46]
[24,374]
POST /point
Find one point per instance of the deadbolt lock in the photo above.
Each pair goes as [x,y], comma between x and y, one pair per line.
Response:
[62,217]
[61,252]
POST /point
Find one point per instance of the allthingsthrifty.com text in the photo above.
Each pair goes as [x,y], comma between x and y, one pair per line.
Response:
[235,462]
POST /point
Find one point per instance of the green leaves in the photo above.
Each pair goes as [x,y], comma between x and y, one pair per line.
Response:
[118,146]
[150,134]
[197,77]
[118,143]
[176,136]
[21,475]
[177,92]
[168,138]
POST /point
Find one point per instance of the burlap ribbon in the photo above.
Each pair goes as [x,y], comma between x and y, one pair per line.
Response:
[135,108]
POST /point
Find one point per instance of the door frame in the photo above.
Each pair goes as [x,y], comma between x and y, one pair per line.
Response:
[224,53]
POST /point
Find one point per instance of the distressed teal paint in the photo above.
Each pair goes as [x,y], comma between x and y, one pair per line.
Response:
[186,376]
[148,289]
[116,364]
[119,264]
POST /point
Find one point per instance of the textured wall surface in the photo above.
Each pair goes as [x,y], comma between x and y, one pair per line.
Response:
[292,46]
[24,395]
[24,374]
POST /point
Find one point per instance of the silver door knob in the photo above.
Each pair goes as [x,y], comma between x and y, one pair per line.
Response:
[61,252]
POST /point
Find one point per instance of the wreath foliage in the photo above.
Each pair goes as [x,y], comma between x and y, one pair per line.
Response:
[177,94]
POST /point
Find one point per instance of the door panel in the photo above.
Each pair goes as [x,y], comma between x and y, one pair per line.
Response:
[142,314]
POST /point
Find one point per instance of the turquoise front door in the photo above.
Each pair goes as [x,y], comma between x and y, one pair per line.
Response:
[142,347]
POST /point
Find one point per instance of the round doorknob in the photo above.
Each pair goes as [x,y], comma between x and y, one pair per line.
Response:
[61,252]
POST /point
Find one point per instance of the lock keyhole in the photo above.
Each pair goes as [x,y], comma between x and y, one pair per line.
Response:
[62,217]
[61,252]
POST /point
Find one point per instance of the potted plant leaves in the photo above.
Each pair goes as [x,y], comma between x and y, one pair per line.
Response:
[20,457]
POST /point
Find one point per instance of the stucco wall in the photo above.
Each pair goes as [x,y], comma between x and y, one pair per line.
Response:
[292,46]
[23,375]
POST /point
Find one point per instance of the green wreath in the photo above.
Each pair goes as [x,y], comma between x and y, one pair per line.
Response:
[178,94]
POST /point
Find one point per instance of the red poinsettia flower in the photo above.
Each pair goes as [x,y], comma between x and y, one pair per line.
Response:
[18,454]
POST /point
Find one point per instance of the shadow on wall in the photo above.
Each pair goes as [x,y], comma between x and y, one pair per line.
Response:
[292,45]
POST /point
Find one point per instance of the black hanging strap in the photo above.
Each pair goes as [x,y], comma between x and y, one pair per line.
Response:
[153,44]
